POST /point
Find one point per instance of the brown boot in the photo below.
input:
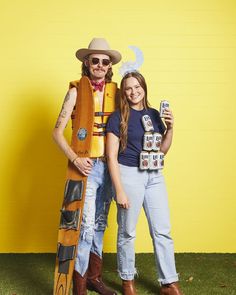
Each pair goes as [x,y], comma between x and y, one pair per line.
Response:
[170,289]
[94,280]
[128,287]
[79,283]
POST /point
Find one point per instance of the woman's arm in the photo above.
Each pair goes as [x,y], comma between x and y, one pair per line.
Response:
[112,149]
[84,165]
[167,138]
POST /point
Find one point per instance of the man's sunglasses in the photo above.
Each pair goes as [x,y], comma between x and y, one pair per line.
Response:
[95,61]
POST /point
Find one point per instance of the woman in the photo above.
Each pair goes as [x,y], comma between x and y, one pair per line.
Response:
[136,188]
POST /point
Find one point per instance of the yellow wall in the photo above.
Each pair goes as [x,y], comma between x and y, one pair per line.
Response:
[190,59]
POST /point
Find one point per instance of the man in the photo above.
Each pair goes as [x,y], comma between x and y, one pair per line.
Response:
[97,61]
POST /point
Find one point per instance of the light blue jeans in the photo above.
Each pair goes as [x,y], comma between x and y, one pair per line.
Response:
[145,189]
[99,193]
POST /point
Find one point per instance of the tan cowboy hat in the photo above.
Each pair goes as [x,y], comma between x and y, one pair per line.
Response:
[99,45]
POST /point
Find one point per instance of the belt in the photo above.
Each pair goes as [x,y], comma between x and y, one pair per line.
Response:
[103,158]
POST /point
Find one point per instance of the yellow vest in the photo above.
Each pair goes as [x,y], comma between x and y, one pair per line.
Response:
[89,118]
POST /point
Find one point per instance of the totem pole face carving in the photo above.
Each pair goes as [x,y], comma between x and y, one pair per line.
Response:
[98,65]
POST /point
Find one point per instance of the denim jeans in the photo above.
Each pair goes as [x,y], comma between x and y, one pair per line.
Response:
[145,189]
[99,193]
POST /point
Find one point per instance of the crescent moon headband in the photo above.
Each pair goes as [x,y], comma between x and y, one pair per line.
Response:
[132,66]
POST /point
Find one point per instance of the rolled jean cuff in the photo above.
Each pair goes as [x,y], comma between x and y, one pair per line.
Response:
[128,276]
[169,280]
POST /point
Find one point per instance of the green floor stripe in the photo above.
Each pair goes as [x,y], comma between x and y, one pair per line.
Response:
[200,274]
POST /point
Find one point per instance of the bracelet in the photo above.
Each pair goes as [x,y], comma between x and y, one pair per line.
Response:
[74,159]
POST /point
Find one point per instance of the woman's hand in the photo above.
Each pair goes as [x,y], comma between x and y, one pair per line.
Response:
[84,165]
[122,200]
[167,137]
[168,118]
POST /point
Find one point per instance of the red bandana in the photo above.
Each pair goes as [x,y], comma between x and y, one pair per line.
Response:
[97,85]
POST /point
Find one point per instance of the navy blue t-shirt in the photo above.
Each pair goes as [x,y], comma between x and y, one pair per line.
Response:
[130,156]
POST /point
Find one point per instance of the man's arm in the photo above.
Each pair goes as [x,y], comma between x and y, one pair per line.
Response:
[84,165]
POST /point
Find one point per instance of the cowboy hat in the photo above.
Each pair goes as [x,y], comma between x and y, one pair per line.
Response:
[99,45]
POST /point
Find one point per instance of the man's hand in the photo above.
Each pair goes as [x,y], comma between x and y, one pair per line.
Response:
[84,165]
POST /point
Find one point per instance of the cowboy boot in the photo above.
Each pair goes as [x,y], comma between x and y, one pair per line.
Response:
[128,287]
[170,289]
[79,284]
[94,279]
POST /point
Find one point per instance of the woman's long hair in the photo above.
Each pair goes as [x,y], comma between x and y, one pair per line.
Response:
[85,71]
[125,108]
